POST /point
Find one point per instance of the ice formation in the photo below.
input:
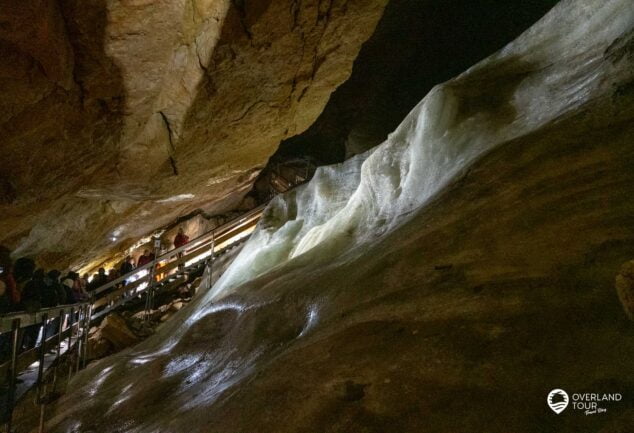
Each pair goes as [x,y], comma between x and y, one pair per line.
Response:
[531,85]
[266,347]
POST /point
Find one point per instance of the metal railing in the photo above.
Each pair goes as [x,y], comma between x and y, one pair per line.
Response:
[75,320]
[70,321]
[162,267]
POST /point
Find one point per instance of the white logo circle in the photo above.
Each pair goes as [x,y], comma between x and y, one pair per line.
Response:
[557,400]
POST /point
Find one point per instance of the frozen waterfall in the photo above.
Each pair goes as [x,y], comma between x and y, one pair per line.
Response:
[457,122]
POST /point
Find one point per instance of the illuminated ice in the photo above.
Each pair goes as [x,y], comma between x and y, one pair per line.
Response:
[347,205]
[284,294]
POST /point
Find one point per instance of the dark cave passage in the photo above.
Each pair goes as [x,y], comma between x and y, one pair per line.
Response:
[416,45]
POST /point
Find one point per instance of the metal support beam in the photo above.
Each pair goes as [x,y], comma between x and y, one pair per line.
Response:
[71,318]
[40,367]
[213,258]
[81,317]
[60,331]
[86,332]
[40,373]
[15,331]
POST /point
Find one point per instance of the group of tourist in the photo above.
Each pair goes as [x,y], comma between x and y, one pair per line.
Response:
[128,265]
[24,287]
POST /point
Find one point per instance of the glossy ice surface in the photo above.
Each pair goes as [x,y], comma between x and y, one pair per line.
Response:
[443,282]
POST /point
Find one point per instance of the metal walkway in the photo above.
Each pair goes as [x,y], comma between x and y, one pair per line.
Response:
[71,323]
[26,370]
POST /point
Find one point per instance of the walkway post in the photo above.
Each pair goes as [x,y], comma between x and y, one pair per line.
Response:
[70,336]
[86,332]
[81,318]
[15,330]
[60,329]
[213,257]
[149,293]
[149,277]
[40,367]
[40,372]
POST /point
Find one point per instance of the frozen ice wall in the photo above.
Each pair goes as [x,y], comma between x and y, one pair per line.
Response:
[526,85]
[307,304]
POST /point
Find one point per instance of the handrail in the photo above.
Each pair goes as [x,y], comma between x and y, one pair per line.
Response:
[165,270]
[119,298]
[85,310]
[194,246]
[192,249]
[29,356]
[29,319]
[19,361]
[191,244]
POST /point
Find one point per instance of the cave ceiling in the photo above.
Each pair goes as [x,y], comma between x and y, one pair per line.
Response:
[116,117]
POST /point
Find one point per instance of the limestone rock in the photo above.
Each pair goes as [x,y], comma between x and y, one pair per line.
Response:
[176,306]
[119,116]
[98,347]
[196,283]
[141,327]
[625,288]
[139,315]
[370,329]
[247,203]
[115,330]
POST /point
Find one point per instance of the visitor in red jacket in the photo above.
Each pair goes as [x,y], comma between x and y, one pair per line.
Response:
[7,275]
[180,239]
[9,295]
[144,259]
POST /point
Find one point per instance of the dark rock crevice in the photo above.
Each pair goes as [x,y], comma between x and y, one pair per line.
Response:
[170,140]
[240,7]
[416,45]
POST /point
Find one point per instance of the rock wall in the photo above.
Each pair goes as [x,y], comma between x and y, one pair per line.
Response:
[116,117]
[625,288]
[416,45]
[444,282]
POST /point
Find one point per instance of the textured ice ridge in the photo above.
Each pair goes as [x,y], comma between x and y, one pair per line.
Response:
[348,204]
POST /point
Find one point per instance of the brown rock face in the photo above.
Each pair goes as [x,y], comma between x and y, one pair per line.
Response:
[116,117]
[115,330]
[416,45]
[625,288]
[369,311]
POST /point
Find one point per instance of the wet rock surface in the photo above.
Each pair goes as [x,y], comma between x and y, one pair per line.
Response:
[116,331]
[120,330]
[389,296]
[625,288]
